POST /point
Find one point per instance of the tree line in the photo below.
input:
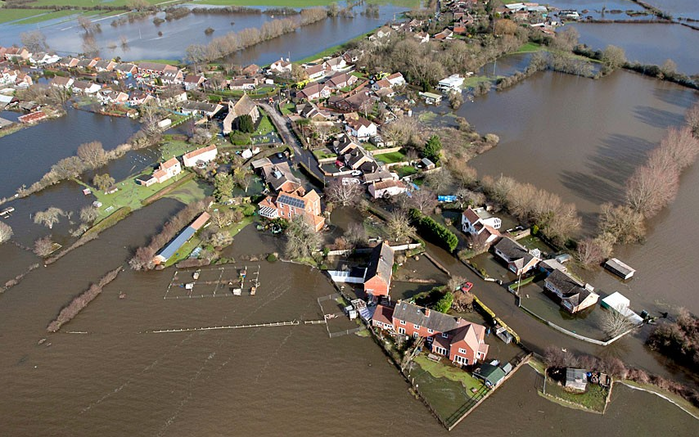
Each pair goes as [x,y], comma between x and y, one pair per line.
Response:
[233,41]
[652,187]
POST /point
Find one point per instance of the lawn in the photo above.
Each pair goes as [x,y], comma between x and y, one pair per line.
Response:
[473,81]
[288,108]
[323,153]
[390,158]
[446,388]
[301,3]
[46,16]
[130,194]
[160,61]
[530,47]
[265,127]
[171,148]
[405,170]
[17,14]
[595,398]
[87,3]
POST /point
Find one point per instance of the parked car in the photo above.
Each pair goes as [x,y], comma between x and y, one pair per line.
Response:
[356,173]
[467,287]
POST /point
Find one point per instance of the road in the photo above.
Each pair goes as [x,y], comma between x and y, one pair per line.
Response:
[301,154]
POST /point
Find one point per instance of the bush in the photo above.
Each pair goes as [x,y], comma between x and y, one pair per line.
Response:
[434,231]
[239,138]
[272,257]
[444,304]
[249,210]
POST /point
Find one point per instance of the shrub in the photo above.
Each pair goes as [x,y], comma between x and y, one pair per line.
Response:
[249,210]
[434,231]
[272,257]
[239,138]
[444,304]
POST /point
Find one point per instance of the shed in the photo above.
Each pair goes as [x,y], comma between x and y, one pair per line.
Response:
[429,165]
[619,268]
[576,378]
[491,374]
[619,303]
[4,123]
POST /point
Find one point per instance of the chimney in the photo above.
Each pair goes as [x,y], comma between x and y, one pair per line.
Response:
[427,312]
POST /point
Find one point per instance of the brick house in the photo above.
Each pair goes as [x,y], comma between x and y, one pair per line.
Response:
[377,280]
[288,205]
[462,341]
[481,225]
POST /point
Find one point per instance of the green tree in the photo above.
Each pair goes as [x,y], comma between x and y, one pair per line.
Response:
[245,124]
[103,181]
[444,304]
[433,149]
[223,186]
[239,138]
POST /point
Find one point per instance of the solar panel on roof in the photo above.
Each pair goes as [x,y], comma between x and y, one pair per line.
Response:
[297,203]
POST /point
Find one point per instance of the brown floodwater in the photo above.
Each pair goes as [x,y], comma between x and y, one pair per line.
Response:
[582,139]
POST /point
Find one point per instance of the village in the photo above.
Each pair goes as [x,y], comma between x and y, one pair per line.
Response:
[287,147]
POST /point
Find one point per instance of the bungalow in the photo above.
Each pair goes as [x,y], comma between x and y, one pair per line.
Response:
[383,32]
[451,83]
[379,175]
[87,63]
[173,246]
[81,86]
[105,65]
[251,70]
[17,53]
[518,259]
[172,77]
[314,91]
[244,106]
[68,62]
[243,83]
[281,66]
[156,68]
[126,69]
[444,35]
[193,81]
[574,295]
[422,37]
[44,58]
[377,280]
[337,64]
[167,170]
[361,128]
[200,156]
[23,80]
[311,112]
[462,341]
[481,225]
[316,72]
[108,95]
[292,204]
[396,79]
[381,85]
[386,189]
[202,108]
[344,144]
[341,80]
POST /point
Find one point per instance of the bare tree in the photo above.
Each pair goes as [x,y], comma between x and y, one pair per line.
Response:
[614,323]
[456,99]
[468,197]
[423,200]
[692,118]
[5,232]
[221,239]
[34,41]
[301,239]
[43,246]
[398,226]
[356,235]
[242,177]
[86,24]
[680,146]
[669,67]
[222,217]
[92,154]
[343,193]
[400,131]
[89,214]
[49,217]
[625,224]
[439,180]
[592,251]
[613,57]
[651,189]
[462,172]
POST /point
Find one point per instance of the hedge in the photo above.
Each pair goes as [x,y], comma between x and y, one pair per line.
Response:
[434,231]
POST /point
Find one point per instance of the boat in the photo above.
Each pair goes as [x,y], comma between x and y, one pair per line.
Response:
[253,290]
[196,274]
[7,211]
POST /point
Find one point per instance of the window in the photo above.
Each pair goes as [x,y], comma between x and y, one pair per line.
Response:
[430,331]
[417,326]
[462,350]
[402,322]
[401,330]
[445,335]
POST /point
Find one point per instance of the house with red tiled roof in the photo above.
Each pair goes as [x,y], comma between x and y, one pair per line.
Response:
[167,170]
[377,280]
[481,225]
[287,205]
[203,155]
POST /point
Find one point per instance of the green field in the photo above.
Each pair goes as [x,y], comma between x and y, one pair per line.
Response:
[265,126]
[300,3]
[530,47]
[46,17]
[390,158]
[87,3]
[17,14]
